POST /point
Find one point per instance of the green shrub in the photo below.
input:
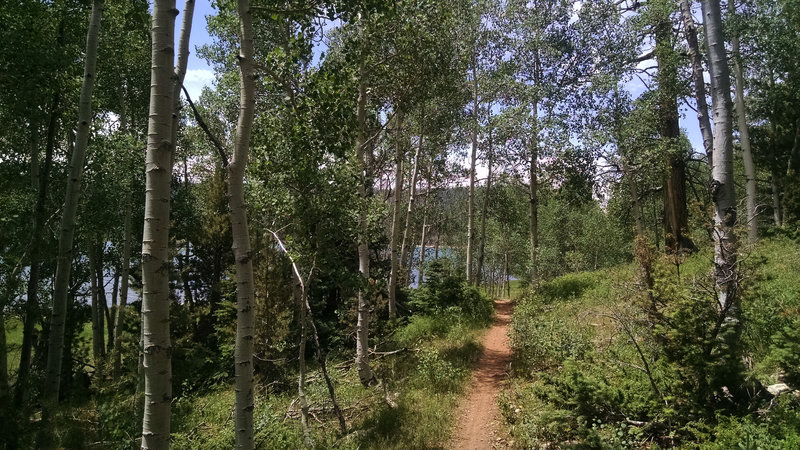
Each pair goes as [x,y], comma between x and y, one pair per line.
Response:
[786,352]
[445,292]
[439,373]
[539,340]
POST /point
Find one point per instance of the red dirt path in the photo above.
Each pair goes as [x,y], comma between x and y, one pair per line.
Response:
[479,416]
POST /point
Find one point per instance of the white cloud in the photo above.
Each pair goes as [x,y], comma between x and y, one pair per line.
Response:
[196,79]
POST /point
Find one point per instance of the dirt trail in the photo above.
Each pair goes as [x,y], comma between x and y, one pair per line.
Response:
[479,416]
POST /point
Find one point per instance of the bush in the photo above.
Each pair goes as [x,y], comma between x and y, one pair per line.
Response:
[539,341]
[786,352]
[439,373]
[445,292]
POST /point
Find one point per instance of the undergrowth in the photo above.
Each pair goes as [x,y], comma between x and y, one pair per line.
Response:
[601,361]
[436,346]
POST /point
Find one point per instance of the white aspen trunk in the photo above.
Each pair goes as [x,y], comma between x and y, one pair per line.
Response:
[723,192]
[472,160]
[180,70]
[156,344]
[424,231]
[485,211]
[363,158]
[698,80]
[744,137]
[299,293]
[412,194]
[245,304]
[124,275]
[55,347]
[395,236]
[776,200]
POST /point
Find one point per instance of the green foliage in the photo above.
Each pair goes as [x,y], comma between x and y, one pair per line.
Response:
[786,351]
[581,379]
[439,373]
[540,341]
[578,236]
[444,292]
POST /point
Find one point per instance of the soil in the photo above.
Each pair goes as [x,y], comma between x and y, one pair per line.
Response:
[479,425]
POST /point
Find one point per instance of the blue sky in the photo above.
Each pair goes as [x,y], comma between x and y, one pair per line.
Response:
[198,72]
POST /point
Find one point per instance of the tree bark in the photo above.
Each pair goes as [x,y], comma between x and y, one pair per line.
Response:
[723,188]
[399,155]
[245,312]
[412,194]
[156,344]
[485,211]
[39,218]
[67,229]
[472,160]
[424,232]
[676,215]
[744,136]
[533,196]
[125,274]
[97,327]
[699,82]
[299,293]
[363,159]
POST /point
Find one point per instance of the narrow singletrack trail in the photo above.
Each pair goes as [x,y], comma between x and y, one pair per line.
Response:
[479,416]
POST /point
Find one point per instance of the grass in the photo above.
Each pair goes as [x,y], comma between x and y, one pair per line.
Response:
[568,335]
[13,345]
[426,381]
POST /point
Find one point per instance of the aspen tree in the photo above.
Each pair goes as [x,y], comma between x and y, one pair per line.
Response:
[398,189]
[245,303]
[69,211]
[156,363]
[722,186]
[744,134]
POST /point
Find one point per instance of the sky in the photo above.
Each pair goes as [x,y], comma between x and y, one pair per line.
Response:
[198,73]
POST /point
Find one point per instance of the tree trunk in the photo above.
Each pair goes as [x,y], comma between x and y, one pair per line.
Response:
[112,324]
[485,211]
[245,304]
[421,272]
[97,327]
[744,136]
[363,159]
[533,197]
[399,155]
[776,199]
[126,262]
[792,169]
[723,190]
[39,218]
[676,215]
[698,80]
[506,275]
[156,344]
[67,229]
[412,194]
[103,315]
[472,160]
[299,293]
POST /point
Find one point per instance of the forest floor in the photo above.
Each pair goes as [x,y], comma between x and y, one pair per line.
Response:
[480,425]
